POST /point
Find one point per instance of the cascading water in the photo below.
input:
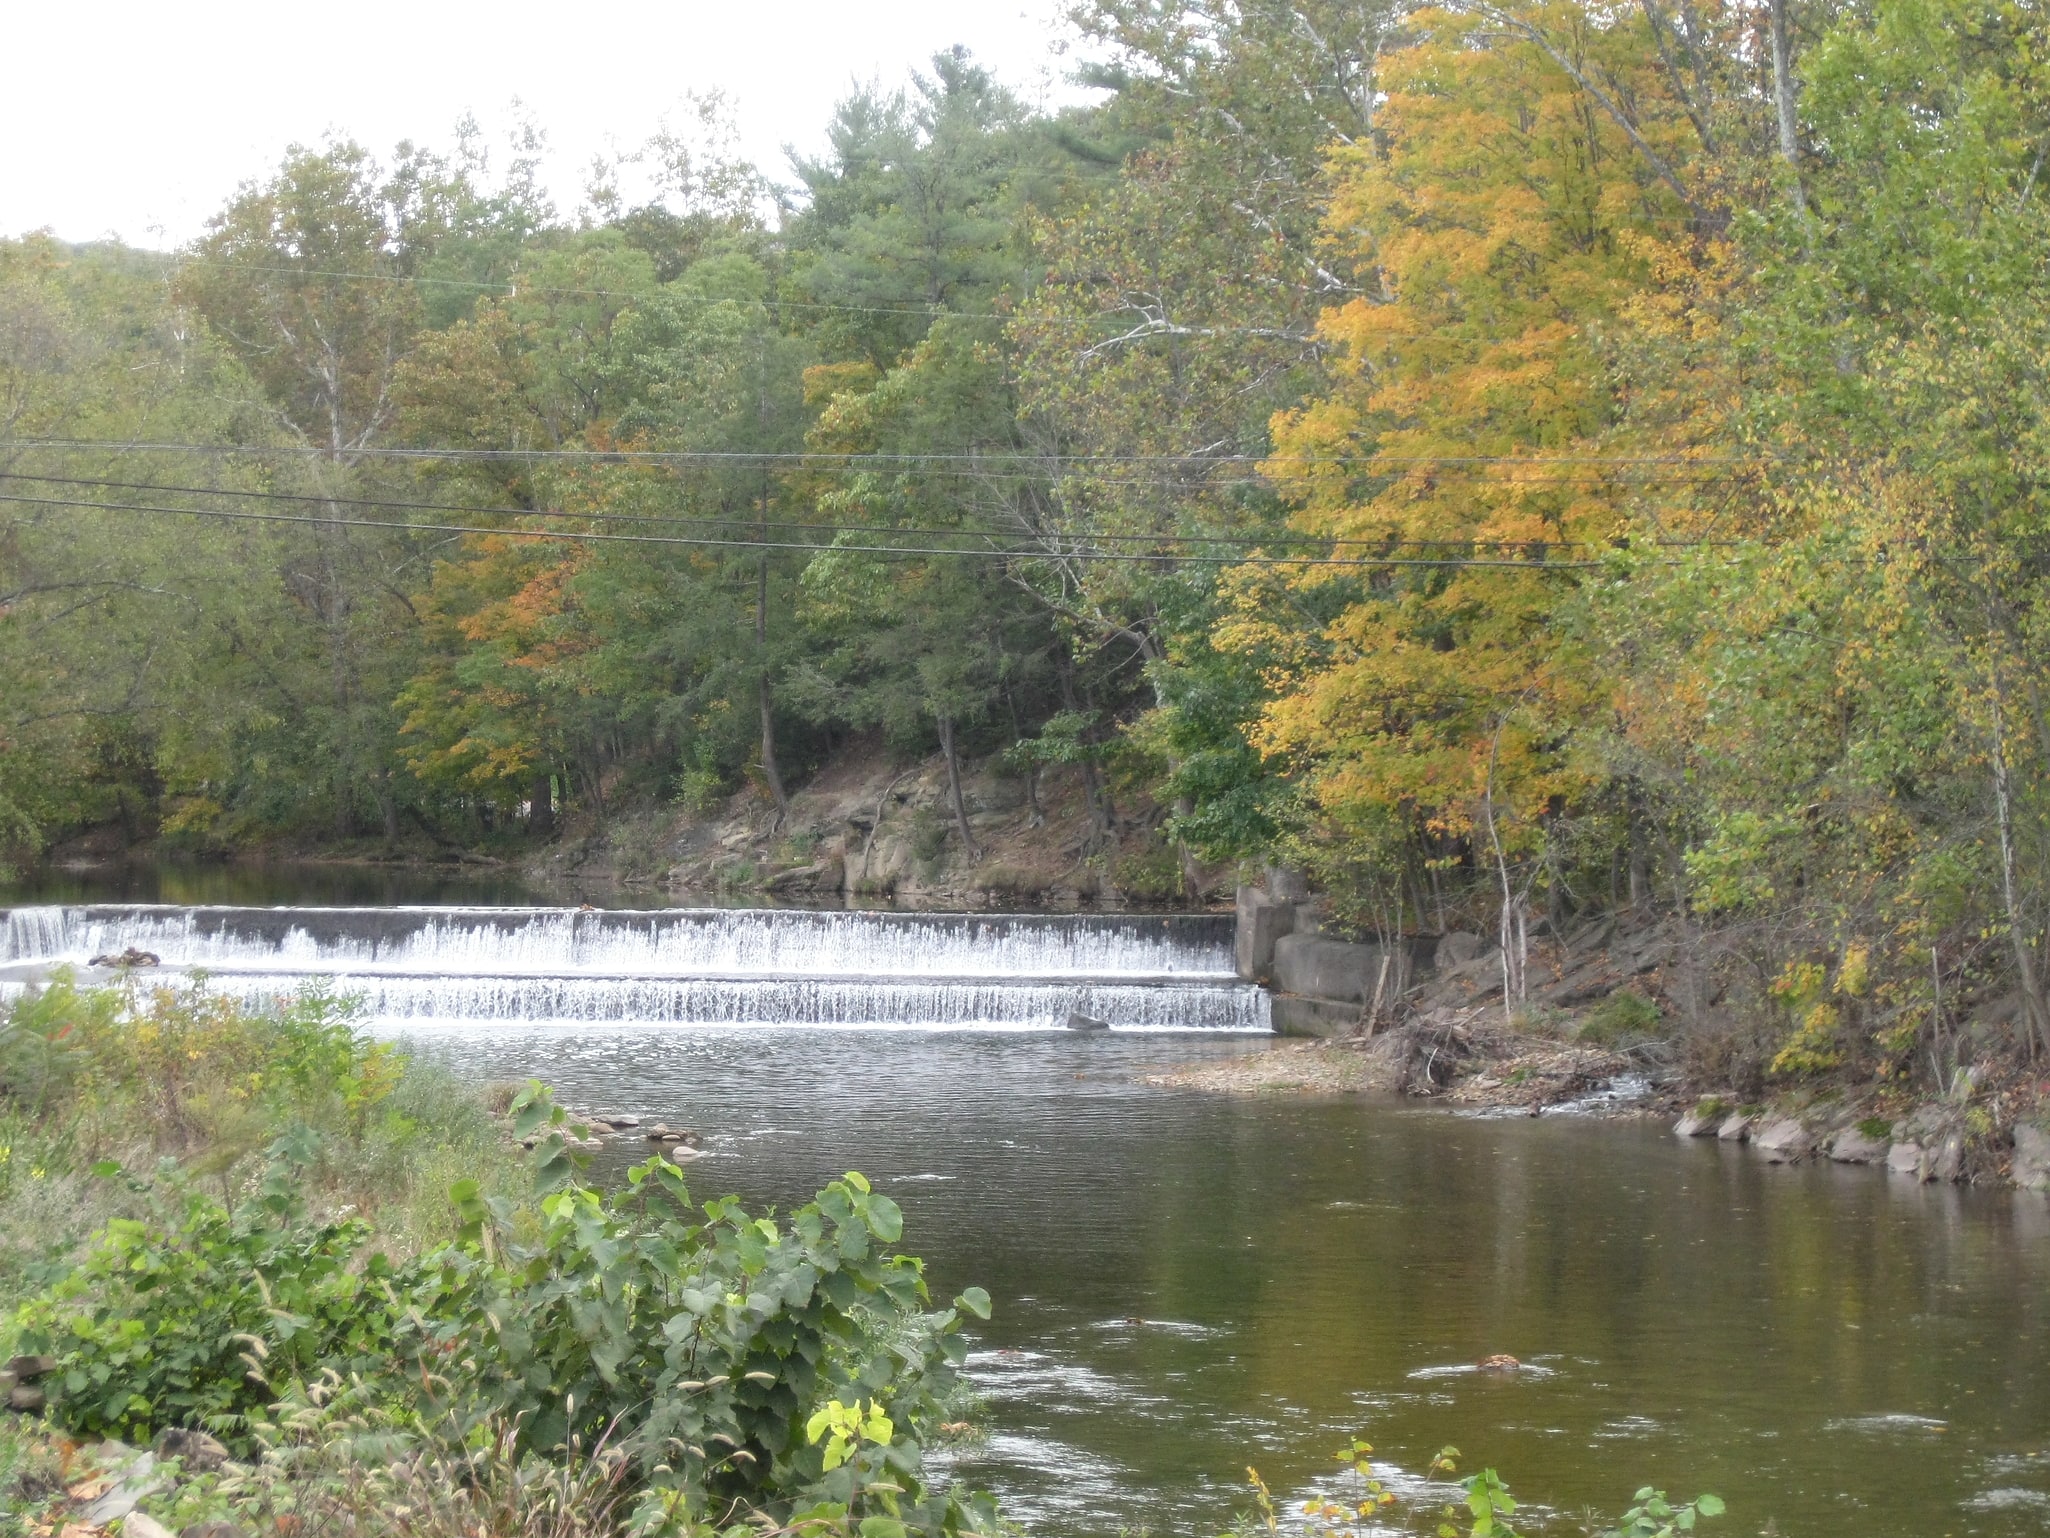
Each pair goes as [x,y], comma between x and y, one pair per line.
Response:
[703,966]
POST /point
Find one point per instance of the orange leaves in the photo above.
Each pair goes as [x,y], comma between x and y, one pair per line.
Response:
[1507,222]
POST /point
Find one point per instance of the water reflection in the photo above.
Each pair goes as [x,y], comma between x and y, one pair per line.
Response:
[1186,1285]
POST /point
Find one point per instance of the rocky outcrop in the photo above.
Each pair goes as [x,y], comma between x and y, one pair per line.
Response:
[2031,1169]
[1853,1145]
[1783,1140]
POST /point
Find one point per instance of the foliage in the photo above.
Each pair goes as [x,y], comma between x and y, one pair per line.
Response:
[737,1363]
[188,1317]
[1362,1503]
[1508,460]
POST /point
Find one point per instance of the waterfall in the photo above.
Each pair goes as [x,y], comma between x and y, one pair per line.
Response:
[690,965]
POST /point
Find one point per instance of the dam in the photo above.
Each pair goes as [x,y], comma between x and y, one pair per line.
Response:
[710,966]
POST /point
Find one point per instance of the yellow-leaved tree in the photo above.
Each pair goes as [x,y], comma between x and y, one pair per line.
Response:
[1525,186]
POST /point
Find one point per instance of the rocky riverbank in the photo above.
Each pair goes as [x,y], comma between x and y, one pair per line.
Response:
[1461,1059]
[1983,1133]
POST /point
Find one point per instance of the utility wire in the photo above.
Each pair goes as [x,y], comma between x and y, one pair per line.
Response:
[1281,536]
[827,459]
[574,537]
[510,288]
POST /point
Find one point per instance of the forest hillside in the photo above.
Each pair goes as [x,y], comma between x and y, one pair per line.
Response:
[1511,463]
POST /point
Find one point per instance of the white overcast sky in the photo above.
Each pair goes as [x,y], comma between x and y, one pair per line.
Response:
[137,120]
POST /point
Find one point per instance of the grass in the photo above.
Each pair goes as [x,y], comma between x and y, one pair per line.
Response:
[137,1074]
[139,1077]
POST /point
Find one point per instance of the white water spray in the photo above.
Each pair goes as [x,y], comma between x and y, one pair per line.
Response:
[709,966]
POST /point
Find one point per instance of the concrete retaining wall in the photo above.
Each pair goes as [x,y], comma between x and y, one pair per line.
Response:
[1320,984]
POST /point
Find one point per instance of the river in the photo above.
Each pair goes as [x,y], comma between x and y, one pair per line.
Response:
[1185,1285]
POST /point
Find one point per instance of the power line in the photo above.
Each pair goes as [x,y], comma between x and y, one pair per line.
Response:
[509,288]
[575,537]
[1283,536]
[828,459]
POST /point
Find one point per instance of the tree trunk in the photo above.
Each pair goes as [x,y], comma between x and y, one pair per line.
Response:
[1783,100]
[2035,1011]
[954,788]
[387,806]
[1192,872]
[541,808]
[770,772]
[1639,855]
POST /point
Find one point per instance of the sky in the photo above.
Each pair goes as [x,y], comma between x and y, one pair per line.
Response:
[138,120]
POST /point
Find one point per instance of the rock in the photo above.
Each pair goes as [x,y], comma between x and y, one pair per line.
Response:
[620,1123]
[27,1369]
[1501,1362]
[195,1450]
[1905,1159]
[1694,1124]
[1077,1021]
[214,1527]
[140,1524]
[1783,1140]
[128,958]
[1851,1146]
[1735,1127]
[24,1396]
[657,1133]
[1459,947]
[2031,1157]
[134,1474]
[1949,1163]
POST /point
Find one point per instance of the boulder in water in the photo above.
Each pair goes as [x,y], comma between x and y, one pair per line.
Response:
[1502,1363]
[128,958]
[1783,1140]
[1077,1021]
[1856,1145]
[2031,1157]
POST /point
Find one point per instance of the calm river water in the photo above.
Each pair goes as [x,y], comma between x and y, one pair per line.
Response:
[1185,1285]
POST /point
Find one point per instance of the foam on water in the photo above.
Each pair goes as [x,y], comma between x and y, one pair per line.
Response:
[709,966]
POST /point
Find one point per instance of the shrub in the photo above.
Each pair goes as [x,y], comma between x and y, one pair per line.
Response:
[189,1316]
[1624,1015]
[725,1357]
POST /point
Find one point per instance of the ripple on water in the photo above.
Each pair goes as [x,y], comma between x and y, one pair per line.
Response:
[1475,1370]
[1882,1425]
[1070,1484]
[1177,1327]
[1012,1374]
[1627,1428]
[2009,1498]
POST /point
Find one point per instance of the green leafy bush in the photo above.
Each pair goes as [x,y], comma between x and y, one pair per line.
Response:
[188,1317]
[1624,1015]
[721,1355]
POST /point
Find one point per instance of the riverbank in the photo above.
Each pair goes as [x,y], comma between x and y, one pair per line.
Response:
[866,828]
[1993,1129]
[259,1273]
[1459,1059]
